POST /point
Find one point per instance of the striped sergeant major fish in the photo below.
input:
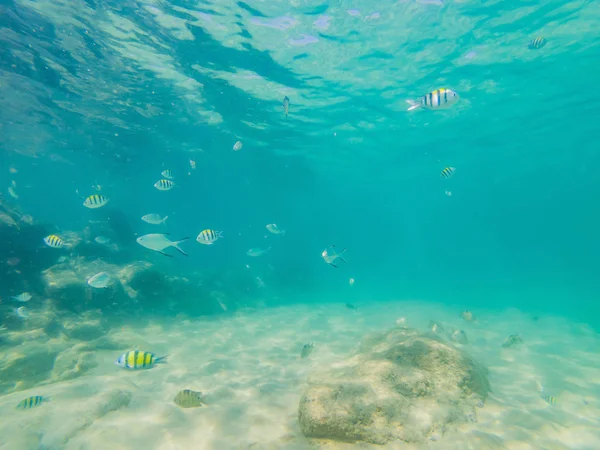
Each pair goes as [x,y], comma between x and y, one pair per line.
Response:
[95,201]
[438,99]
[447,172]
[167,173]
[53,241]
[550,399]
[208,236]
[537,43]
[136,359]
[164,185]
[32,402]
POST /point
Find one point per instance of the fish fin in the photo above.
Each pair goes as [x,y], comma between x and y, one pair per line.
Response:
[164,221]
[413,105]
[163,253]
[343,260]
[333,265]
[176,245]
[161,360]
[343,251]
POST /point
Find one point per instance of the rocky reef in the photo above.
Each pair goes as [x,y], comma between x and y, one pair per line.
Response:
[404,385]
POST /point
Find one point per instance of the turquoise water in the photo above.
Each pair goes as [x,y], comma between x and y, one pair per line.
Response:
[111,93]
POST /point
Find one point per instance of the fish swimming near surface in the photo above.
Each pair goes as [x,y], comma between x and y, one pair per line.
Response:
[286,106]
[330,255]
[32,402]
[158,242]
[257,251]
[439,99]
[164,185]
[24,297]
[136,359]
[187,398]
[273,228]
[208,236]
[307,349]
[167,174]
[537,43]
[95,201]
[447,172]
[154,219]
[100,281]
[237,146]
[53,241]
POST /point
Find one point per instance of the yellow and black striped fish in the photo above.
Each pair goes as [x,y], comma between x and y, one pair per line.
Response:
[438,99]
[551,400]
[95,201]
[188,399]
[32,402]
[207,237]
[164,185]
[136,359]
[53,241]
[447,172]
[167,174]
[537,43]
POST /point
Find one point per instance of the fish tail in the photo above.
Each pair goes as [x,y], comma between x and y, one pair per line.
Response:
[176,245]
[413,105]
[161,360]
[164,221]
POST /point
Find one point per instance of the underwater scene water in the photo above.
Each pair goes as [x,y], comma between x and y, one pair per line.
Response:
[299,224]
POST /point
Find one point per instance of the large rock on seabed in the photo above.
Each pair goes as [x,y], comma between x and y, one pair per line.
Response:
[403,385]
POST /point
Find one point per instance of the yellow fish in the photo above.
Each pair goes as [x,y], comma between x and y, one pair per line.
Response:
[32,402]
[208,237]
[188,399]
[164,185]
[53,241]
[136,359]
[438,99]
[447,172]
[95,201]
[537,43]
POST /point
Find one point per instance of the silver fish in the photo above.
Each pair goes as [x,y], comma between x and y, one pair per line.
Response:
[24,297]
[273,228]
[100,281]
[257,251]
[158,242]
[330,255]
[167,174]
[154,219]
[22,312]
[103,240]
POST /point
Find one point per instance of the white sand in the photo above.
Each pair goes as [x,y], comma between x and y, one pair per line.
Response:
[249,367]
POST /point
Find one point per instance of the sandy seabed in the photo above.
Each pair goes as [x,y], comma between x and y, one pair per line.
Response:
[248,366]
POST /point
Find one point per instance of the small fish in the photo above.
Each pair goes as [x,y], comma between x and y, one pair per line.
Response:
[95,201]
[27,218]
[24,297]
[237,146]
[467,316]
[537,43]
[330,255]
[351,306]
[12,191]
[273,228]
[158,242]
[188,399]
[208,236]
[259,282]
[164,185]
[22,312]
[551,400]
[154,219]
[32,402]
[448,193]
[286,105]
[192,164]
[307,349]
[512,340]
[459,336]
[8,220]
[447,172]
[167,174]
[102,240]
[100,281]
[136,359]
[436,327]
[53,241]
[351,281]
[438,99]
[257,251]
